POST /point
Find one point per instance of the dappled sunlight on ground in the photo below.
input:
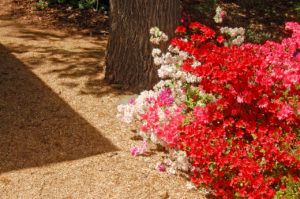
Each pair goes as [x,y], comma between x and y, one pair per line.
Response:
[69,57]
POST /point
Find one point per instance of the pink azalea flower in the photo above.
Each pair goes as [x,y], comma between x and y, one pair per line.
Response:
[285,112]
[161,167]
[138,150]
[134,151]
[132,101]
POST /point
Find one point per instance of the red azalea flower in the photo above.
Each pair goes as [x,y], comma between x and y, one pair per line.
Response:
[198,38]
[220,39]
[282,187]
[180,29]
[195,25]
[207,31]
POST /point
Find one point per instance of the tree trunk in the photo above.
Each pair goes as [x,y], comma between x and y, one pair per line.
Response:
[128,59]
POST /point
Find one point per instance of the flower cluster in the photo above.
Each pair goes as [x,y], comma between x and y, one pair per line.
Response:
[139,150]
[236,35]
[157,36]
[227,115]
[39,4]
[220,15]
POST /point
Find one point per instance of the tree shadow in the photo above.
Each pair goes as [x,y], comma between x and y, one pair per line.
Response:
[69,63]
[148,154]
[99,88]
[59,16]
[36,126]
[137,138]
[73,22]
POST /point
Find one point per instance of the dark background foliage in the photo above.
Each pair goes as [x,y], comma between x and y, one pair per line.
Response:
[102,5]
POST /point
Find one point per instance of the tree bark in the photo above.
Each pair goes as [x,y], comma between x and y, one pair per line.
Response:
[128,59]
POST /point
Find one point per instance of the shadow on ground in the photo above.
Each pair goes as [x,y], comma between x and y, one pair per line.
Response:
[36,126]
[60,17]
[68,60]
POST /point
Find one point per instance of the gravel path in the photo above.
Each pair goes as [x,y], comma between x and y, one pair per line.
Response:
[59,137]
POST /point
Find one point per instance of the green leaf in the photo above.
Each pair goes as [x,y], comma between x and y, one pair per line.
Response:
[254,136]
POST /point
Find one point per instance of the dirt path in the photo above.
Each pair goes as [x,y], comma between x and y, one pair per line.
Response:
[59,137]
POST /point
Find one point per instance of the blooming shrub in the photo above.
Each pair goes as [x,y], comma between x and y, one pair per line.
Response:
[227,115]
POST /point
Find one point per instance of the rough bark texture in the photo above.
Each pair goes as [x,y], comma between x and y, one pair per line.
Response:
[128,60]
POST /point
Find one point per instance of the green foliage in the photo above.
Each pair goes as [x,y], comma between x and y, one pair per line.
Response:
[258,37]
[206,6]
[86,4]
[290,191]
[297,9]
[102,5]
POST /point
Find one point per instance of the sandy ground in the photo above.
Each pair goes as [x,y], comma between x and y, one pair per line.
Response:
[59,137]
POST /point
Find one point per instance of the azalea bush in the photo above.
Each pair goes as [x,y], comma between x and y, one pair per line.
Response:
[243,142]
[228,115]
